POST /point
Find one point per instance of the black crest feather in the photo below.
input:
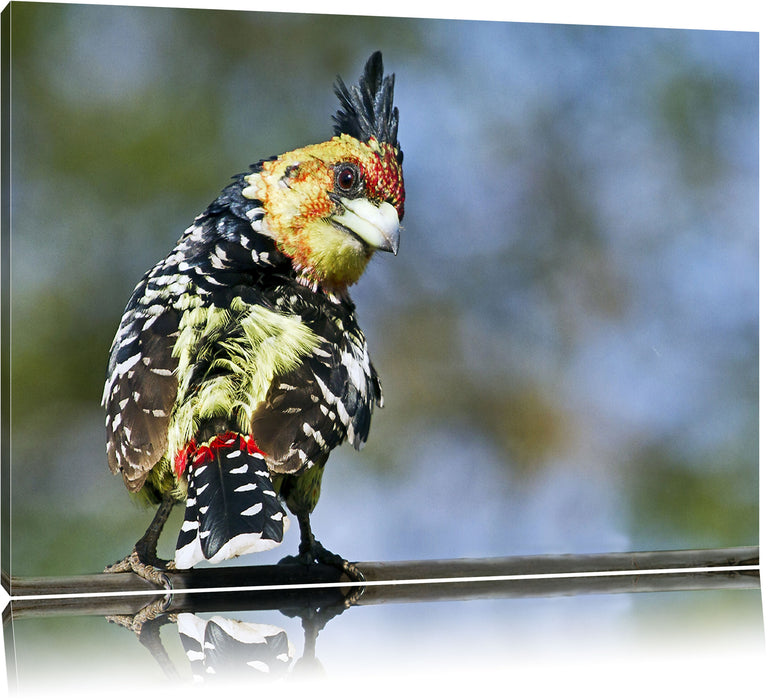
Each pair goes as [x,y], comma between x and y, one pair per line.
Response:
[367,108]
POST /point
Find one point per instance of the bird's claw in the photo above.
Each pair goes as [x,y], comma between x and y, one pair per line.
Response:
[316,553]
[146,614]
[153,572]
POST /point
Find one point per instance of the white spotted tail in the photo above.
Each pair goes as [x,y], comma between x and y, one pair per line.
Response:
[231,506]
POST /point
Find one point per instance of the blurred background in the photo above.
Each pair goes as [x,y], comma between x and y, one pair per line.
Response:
[568,338]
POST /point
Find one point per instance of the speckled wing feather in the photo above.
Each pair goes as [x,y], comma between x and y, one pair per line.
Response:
[141,386]
[328,398]
[219,256]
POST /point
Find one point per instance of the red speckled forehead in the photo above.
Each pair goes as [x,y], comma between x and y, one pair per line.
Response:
[383,175]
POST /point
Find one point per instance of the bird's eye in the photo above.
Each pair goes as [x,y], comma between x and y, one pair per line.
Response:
[347,177]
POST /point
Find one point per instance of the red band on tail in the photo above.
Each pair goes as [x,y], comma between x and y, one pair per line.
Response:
[197,455]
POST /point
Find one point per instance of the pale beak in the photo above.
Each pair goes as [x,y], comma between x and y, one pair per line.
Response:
[378,227]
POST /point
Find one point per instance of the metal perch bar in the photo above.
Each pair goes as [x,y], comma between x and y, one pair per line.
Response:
[278,586]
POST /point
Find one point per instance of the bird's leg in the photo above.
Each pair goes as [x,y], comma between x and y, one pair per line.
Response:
[143,559]
[146,625]
[311,550]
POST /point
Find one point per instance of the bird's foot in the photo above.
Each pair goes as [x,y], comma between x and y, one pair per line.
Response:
[148,613]
[148,567]
[315,552]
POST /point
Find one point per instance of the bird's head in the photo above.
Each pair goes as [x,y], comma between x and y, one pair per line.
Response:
[329,206]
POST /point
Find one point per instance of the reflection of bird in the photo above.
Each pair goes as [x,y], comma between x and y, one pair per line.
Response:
[238,364]
[224,646]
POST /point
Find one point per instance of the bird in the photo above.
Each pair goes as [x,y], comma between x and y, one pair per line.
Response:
[238,364]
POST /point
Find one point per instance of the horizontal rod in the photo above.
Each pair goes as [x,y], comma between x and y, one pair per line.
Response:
[297,574]
[307,598]
[293,585]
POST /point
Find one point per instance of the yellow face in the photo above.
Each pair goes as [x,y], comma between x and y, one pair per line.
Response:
[331,205]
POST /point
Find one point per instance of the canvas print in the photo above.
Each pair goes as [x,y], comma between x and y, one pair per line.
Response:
[514,265]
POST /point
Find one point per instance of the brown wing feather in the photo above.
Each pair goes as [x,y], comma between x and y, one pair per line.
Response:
[140,392]
[312,409]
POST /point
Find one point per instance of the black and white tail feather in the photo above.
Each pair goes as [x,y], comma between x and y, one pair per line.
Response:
[231,506]
[228,647]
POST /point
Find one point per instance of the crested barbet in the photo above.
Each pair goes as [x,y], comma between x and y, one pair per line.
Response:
[238,364]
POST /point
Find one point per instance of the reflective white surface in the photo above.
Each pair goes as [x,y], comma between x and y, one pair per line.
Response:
[635,642]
